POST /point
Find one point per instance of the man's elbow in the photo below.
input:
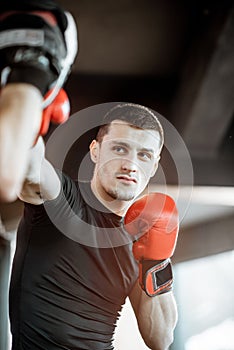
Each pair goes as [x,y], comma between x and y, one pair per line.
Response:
[160,344]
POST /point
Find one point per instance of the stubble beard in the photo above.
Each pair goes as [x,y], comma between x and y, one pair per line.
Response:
[120,194]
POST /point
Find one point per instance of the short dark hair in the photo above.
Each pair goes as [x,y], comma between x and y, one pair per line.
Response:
[137,116]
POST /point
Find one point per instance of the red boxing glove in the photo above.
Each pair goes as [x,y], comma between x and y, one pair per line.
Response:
[57,112]
[154,218]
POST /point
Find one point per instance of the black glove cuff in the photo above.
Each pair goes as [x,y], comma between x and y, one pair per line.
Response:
[156,276]
[31,75]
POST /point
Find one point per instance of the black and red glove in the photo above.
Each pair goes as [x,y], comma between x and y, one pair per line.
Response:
[154,220]
[38,45]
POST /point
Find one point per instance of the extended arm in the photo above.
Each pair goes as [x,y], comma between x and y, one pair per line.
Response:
[20,118]
[38,46]
[20,162]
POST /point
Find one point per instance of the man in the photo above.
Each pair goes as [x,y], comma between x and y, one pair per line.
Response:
[67,293]
[76,261]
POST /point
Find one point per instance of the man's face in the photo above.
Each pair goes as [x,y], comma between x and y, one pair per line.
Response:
[125,160]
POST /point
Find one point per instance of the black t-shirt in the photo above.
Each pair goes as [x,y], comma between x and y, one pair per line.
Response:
[72,271]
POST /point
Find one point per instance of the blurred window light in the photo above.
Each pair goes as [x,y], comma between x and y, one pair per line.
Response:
[212,195]
[220,337]
[204,293]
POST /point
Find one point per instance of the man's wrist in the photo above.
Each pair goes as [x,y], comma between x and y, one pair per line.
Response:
[155,276]
[36,76]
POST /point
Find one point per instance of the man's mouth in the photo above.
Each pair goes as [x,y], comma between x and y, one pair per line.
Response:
[127,179]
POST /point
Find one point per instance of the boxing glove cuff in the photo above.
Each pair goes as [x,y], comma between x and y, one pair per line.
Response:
[155,276]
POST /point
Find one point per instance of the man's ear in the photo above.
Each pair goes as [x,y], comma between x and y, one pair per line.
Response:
[94,150]
[155,168]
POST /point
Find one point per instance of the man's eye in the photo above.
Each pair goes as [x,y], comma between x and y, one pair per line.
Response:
[119,149]
[145,155]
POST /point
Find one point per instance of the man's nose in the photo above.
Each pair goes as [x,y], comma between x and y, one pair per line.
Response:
[129,164]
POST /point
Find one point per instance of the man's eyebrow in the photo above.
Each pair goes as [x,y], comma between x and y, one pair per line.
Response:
[127,145]
[149,150]
[120,143]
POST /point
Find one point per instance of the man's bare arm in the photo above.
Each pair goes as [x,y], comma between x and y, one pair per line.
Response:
[31,83]
[156,317]
[20,119]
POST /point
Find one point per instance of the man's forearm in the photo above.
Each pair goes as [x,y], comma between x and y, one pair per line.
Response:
[156,317]
[20,118]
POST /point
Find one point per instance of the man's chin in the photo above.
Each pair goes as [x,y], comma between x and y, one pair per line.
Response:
[122,196]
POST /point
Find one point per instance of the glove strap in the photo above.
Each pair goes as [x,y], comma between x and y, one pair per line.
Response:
[155,276]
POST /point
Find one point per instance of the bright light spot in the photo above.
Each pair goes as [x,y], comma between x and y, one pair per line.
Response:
[214,195]
[220,337]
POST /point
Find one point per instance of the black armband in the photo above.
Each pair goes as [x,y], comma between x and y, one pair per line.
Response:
[156,276]
[30,74]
